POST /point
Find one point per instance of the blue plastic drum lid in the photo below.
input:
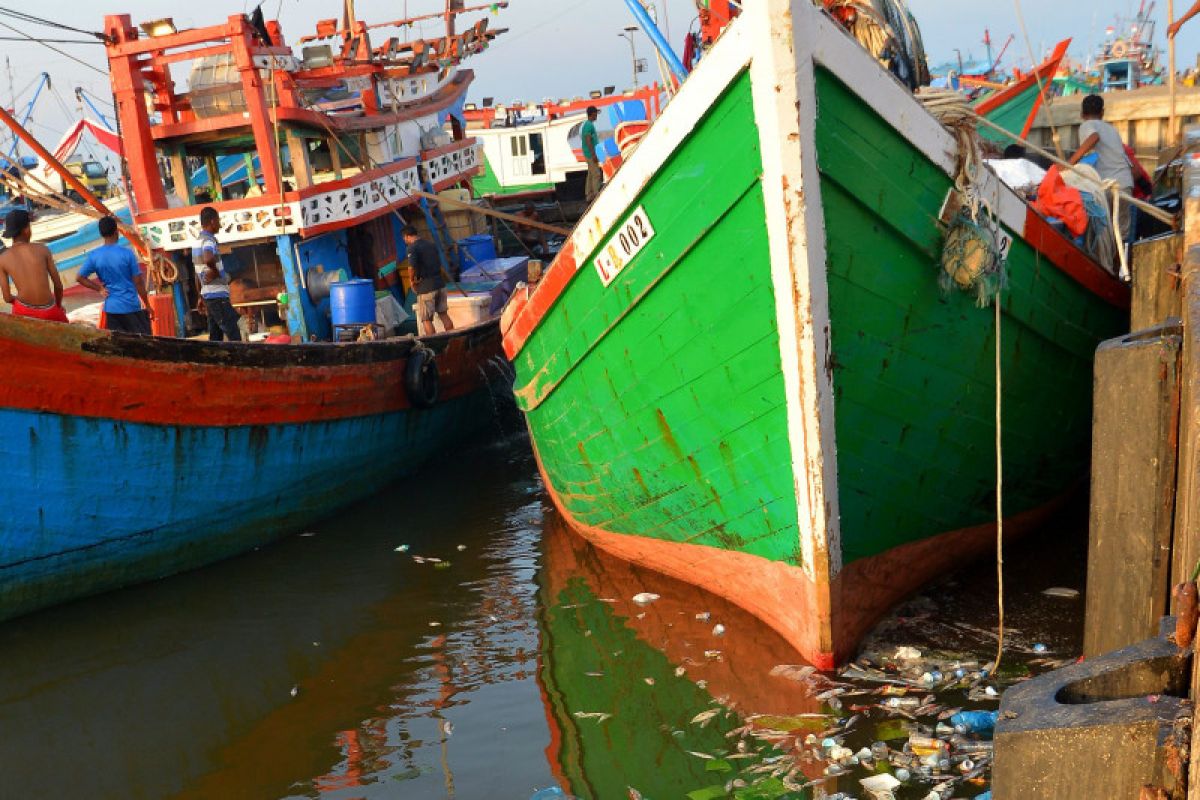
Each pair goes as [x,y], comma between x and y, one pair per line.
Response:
[475,249]
[352,302]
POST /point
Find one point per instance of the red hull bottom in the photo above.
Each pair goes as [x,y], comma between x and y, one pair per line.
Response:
[824,624]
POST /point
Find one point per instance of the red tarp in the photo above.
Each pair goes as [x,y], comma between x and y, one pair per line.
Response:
[1056,199]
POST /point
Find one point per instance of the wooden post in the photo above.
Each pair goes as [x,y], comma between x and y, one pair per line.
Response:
[128,86]
[1171,119]
[1187,493]
[179,173]
[242,39]
[298,153]
[216,191]
[335,158]
[1134,437]
[1155,265]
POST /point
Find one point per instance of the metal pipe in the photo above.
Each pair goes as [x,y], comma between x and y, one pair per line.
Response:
[657,39]
[43,81]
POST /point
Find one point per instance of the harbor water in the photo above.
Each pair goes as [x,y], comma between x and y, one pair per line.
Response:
[450,638]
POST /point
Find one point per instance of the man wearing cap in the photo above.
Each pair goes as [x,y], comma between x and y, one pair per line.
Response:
[121,281]
[31,268]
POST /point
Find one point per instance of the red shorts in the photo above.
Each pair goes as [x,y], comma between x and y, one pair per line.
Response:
[52,313]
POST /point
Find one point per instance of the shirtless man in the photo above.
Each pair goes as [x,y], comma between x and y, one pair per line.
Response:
[28,265]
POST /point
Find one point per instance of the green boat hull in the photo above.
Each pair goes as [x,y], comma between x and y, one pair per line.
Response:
[772,396]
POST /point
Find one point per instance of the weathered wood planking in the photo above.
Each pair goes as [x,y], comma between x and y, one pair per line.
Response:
[1156,281]
[1134,440]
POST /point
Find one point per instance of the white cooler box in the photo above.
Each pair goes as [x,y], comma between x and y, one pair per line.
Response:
[465,311]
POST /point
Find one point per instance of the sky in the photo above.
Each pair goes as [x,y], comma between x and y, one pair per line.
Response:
[554,48]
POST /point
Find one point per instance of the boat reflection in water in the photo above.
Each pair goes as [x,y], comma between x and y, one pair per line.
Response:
[184,688]
[622,681]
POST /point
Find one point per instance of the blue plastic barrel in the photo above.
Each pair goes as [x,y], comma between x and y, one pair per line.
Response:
[474,249]
[352,302]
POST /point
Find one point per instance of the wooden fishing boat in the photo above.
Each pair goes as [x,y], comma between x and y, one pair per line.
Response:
[742,371]
[1016,106]
[537,149]
[127,457]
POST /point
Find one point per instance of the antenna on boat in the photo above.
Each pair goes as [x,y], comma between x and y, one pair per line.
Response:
[12,102]
[453,9]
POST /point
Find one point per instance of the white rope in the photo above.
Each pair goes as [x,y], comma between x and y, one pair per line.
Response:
[1118,234]
[999,502]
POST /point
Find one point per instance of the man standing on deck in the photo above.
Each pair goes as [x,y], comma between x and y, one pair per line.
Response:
[1111,162]
[28,265]
[591,148]
[427,282]
[121,282]
[214,282]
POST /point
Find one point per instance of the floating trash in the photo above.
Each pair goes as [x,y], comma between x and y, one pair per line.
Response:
[977,722]
[1061,591]
[401,549]
[704,616]
[599,716]
[1039,648]
[718,630]
[461,547]
[295,691]
[880,785]
[645,598]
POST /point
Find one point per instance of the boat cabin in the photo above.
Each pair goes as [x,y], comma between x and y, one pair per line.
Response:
[312,160]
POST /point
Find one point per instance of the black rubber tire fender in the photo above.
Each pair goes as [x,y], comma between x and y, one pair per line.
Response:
[421,378]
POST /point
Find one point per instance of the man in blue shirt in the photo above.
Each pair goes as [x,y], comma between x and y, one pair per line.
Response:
[214,281]
[121,282]
[591,149]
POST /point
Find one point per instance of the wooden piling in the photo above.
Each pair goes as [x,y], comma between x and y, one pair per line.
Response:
[1187,508]
[1134,435]
[1155,264]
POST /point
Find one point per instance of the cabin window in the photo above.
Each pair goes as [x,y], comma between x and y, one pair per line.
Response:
[539,156]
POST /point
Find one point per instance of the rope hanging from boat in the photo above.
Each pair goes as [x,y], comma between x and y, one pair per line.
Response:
[973,260]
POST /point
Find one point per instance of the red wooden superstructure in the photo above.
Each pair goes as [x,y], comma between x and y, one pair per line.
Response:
[337,126]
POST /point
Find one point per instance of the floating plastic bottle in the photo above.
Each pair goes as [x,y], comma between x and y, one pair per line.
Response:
[550,793]
[925,745]
[980,722]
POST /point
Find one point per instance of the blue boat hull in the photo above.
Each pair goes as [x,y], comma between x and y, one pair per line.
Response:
[92,504]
